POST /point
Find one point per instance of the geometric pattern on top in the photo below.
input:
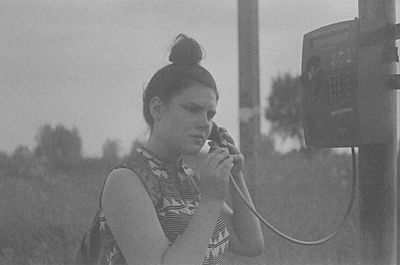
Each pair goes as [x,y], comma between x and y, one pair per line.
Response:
[175,197]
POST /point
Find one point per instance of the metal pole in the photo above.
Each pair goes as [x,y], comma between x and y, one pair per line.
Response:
[249,95]
[377,162]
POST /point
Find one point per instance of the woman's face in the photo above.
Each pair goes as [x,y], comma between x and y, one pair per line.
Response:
[185,123]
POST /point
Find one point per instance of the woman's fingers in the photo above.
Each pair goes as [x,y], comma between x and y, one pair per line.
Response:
[225,135]
[225,168]
[216,152]
[215,174]
[217,159]
[233,149]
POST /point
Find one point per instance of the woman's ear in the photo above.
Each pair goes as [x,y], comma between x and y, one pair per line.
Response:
[156,108]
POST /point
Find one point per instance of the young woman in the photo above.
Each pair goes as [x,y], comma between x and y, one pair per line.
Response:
[154,209]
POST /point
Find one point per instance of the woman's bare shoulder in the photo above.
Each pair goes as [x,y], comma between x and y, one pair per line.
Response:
[121,177]
[126,181]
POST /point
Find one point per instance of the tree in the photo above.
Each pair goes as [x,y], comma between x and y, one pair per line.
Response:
[111,150]
[4,162]
[22,152]
[21,161]
[285,108]
[60,147]
[22,156]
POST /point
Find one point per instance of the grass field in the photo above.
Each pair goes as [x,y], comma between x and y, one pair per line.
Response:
[45,214]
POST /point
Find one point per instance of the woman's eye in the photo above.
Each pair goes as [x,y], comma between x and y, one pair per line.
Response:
[195,110]
[191,110]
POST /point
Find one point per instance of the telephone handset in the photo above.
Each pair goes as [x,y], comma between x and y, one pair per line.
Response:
[216,138]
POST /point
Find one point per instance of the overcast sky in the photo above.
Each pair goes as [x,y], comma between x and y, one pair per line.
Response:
[85,63]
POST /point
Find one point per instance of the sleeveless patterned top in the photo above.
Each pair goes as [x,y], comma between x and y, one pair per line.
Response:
[175,199]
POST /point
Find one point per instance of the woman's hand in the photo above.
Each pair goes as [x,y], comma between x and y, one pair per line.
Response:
[238,158]
[214,170]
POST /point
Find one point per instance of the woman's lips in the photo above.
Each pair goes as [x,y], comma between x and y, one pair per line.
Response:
[201,138]
[198,136]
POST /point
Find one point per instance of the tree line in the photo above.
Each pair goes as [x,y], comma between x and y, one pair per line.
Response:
[60,148]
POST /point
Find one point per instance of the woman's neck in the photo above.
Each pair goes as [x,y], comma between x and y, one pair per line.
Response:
[169,157]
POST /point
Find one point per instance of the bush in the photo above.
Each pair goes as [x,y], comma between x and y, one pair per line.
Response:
[59,147]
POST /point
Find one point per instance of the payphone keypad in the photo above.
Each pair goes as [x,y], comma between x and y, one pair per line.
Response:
[340,85]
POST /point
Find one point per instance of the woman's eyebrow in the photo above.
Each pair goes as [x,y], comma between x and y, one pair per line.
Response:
[196,105]
[192,104]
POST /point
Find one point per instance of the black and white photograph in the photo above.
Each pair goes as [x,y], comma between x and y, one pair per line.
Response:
[199,132]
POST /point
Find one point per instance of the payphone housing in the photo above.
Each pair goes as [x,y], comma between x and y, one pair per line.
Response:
[340,110]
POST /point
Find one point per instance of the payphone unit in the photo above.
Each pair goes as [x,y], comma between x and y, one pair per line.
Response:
[339,110]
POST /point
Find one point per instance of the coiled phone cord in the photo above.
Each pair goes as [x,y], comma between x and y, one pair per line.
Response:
[302,242]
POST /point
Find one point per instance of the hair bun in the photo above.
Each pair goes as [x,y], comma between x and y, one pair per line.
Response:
[185,51]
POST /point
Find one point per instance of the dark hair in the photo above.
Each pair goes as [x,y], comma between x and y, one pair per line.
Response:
[184,70]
